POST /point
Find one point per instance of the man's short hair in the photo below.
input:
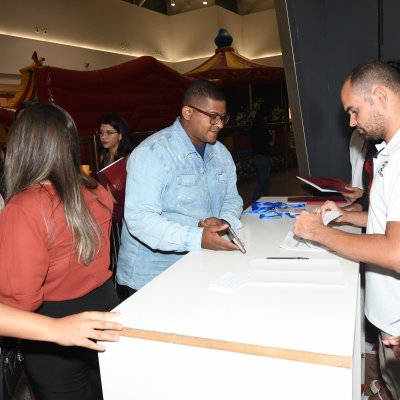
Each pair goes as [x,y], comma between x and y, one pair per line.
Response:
[202,90]
[366,75]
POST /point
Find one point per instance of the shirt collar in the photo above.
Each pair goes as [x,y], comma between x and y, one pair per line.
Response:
[385,149]
[190,148]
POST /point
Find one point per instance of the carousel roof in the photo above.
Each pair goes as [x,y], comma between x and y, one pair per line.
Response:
[232,68]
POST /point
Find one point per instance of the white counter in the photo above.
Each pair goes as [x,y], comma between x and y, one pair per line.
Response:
[305,334]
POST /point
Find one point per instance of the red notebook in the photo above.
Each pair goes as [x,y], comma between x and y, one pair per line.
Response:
[326,184]
[317,199]
[114,175]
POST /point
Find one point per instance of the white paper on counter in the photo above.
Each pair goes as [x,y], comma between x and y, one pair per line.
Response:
[229,282]
[292,242]
[296,271]
[282,271]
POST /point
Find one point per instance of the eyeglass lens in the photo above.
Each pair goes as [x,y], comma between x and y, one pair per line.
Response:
[223,118]
[214,117]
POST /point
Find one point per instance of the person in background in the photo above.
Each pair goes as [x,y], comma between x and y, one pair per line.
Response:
[357,151]
[371,96]
[115,138]
[262,141]
[181,190]
[362,154]
[54,246]
[116,141]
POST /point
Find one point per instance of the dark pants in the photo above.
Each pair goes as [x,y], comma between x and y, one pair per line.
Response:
[124,292]
[68,373]
[262,164]
[115,243]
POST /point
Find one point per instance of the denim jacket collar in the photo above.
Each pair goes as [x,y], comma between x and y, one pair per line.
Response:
[187,143]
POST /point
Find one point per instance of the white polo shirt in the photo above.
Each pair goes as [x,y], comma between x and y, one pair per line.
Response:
[382,287]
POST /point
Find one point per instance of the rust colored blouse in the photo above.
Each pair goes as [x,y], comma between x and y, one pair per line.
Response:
[38,261]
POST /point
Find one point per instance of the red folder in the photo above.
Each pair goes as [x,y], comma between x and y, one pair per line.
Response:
[316,199]
[326,184]
[113,175]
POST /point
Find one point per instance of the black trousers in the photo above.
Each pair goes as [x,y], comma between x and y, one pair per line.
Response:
[68,373]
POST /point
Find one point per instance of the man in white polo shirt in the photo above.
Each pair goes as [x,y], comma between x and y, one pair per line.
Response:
[371,97]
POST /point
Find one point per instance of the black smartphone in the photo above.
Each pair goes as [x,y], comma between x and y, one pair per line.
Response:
[235,239]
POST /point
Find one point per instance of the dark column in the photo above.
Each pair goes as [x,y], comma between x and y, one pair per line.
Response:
[322,40]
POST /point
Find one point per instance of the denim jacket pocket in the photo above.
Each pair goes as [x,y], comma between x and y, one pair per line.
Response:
[186,179]
[221,176]
[187,190]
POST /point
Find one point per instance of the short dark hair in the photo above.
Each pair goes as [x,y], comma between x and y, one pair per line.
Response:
[202,89]
[365,75]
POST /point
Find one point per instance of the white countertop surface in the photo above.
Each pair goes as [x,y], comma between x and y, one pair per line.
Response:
[306,317]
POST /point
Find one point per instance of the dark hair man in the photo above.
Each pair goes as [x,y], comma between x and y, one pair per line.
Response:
[181,190]
[371,97]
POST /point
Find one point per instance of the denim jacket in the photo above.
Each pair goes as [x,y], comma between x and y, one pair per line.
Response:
[169,189]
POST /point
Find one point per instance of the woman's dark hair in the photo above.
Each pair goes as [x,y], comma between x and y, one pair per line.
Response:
[23,107]
[125,146]
[43,145]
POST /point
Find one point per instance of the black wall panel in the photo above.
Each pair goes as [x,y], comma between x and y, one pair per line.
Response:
[390,32]
[322,40]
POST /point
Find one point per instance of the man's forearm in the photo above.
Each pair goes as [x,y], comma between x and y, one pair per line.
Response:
[357,218]
[359,247]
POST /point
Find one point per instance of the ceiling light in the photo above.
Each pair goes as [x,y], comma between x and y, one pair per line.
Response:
[172,3]
[205,2]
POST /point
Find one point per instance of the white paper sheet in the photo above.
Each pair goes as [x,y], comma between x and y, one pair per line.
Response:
[292,242]
[297,271]
[229,282]
[329,216]
[284,272]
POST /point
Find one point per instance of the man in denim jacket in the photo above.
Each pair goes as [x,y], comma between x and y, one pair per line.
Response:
[180,191]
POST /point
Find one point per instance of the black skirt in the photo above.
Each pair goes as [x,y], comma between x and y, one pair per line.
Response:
[67,373]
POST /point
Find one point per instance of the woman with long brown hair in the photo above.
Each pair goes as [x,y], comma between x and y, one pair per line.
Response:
[54,246]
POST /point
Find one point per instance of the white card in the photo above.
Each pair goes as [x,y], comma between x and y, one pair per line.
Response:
[329,216]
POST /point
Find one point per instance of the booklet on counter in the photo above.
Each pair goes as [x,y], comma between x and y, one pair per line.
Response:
[326,184]
[317,199]
[114,174]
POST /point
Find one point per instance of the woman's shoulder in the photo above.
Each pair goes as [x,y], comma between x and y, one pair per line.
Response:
[98,194]
[32,202]
[37,193]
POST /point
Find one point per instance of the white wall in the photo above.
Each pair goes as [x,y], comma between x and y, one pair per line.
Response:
[260,35]
[81,32]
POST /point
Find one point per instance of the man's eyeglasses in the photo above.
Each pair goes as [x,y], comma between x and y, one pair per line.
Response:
[214,117]
[99,134]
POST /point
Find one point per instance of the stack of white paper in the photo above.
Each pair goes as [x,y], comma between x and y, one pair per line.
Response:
[282,271]
[300,271]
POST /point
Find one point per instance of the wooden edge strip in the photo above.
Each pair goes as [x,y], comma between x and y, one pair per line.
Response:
[237,347]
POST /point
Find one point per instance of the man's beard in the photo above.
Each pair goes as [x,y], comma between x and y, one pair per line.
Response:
[374,129]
